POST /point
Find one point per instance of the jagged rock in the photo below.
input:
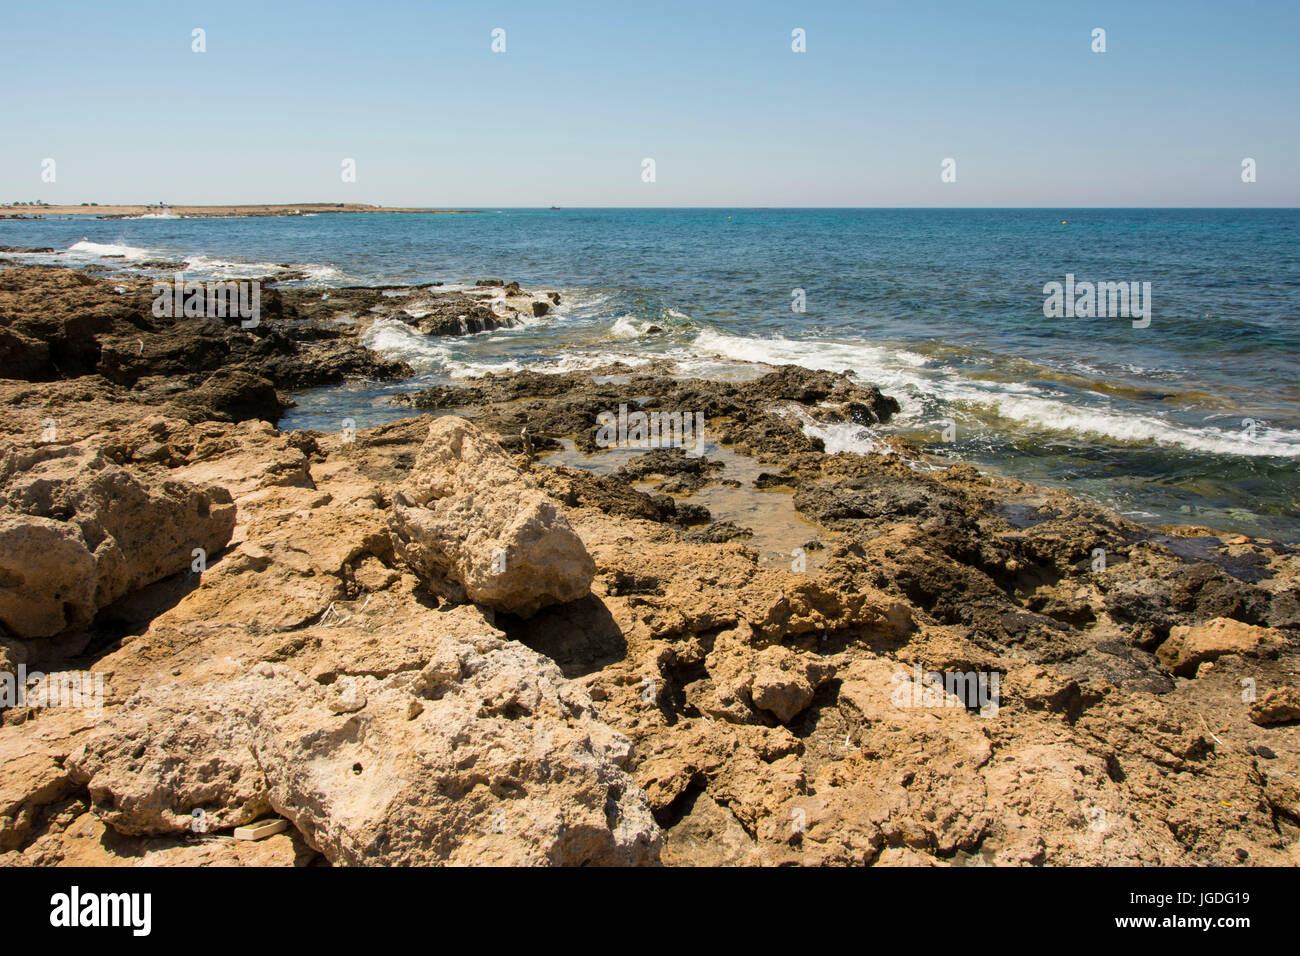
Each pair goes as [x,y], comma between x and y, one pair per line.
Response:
[1279,706]
[12,653]
[474,527]
[783,684]
[1190,645]
[32,779]
[59,339]
[863,404]
[720,531]
[696,651]
[234,395]
[484,755]
[78,532]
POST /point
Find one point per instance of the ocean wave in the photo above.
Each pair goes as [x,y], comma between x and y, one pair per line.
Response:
[838,436]
[395,339]
[626,327]
[201,267]
[581,363]
[323,274]
[209,267]
[819,355]
[903,374]
[105,250]
[460,368]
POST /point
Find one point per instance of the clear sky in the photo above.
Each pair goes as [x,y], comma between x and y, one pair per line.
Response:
[712,92]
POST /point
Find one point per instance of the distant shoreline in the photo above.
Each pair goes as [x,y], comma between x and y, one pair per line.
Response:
[206,212]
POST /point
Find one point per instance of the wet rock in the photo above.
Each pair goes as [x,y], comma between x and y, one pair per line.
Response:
[687,473]
[798,384]
[720,531]
[576,487]
[854,502]
[236,396]
[58,340]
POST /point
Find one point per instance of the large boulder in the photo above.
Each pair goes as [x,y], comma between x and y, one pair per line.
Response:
[486,755]
[475,528]
[1280,705]
[50,321]
[1190,646]
[78,532]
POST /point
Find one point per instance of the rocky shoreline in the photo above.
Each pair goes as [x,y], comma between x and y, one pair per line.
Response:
[439,640]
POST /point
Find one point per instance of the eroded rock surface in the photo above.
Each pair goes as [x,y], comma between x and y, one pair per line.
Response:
[474,527]
[677,699]
[78,532]
[485,754]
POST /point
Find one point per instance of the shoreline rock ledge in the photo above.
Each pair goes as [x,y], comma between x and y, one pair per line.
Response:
[474,527]
[486,755]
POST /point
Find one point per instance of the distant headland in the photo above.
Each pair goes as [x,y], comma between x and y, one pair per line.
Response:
[165,211]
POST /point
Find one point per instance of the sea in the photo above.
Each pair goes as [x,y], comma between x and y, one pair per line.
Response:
[1189,414]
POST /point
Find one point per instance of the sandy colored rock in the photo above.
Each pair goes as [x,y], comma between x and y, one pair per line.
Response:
[474,527]
[747,711]
[503,761]
[78,532]
[783,684]
[1189,646]
[30,781]
[1279,706]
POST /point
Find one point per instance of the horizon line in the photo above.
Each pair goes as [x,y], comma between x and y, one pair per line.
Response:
[480,207]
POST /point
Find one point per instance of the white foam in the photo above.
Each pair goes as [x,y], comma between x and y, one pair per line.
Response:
[317,273]
[395,339]
[814,354]
[459,368]
[901,374]
[100,250]
[580,363]
[209,267]
[841,436]
[626,327]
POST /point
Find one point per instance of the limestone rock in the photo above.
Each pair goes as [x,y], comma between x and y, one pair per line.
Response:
[784,684]
[172,760]
[474,527]
[1278,706]
[484,755]
[78,532]
[1190,645]
[32,778]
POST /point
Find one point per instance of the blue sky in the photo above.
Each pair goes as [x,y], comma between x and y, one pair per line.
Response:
[711,91]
